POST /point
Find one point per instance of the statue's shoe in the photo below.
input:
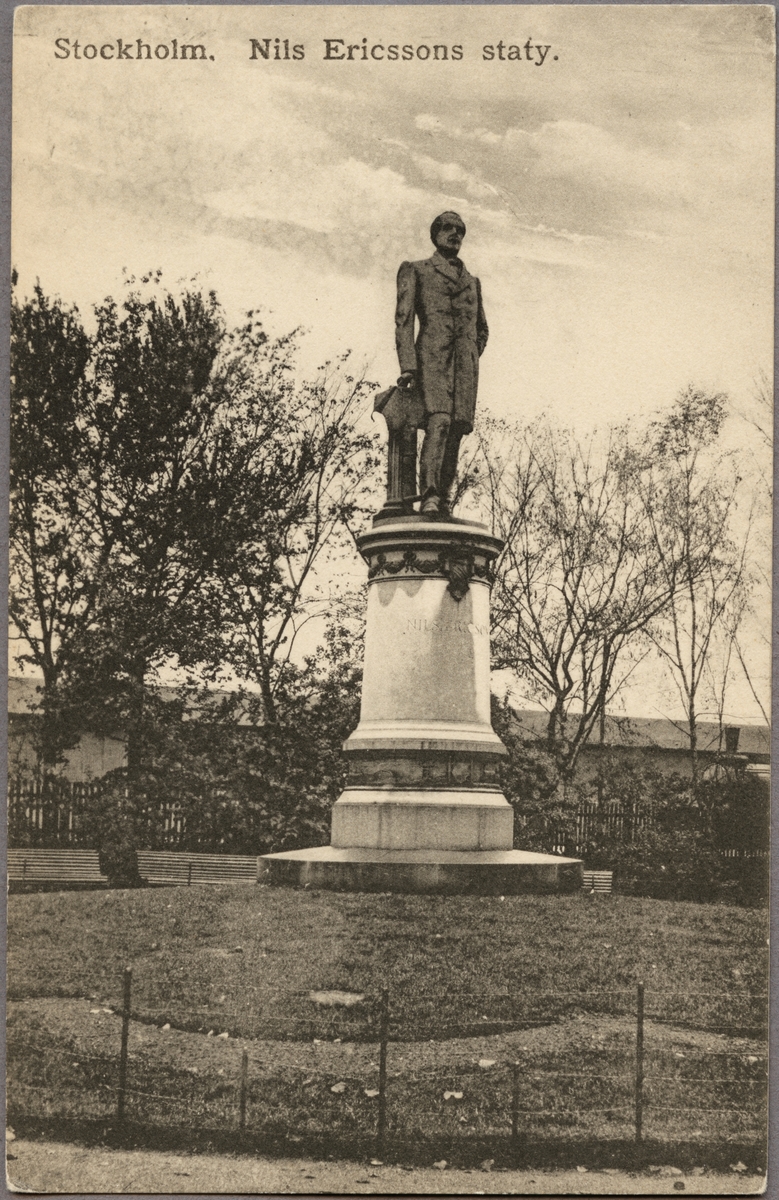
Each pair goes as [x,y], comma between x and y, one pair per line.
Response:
[431,506]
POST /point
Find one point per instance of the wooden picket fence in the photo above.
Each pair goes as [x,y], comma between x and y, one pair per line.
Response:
[50,813]
[54,814]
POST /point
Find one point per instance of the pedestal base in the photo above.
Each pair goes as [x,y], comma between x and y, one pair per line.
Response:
[447,872]
[422,820]
[422,810]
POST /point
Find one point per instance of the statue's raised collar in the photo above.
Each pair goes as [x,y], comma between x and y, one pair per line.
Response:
[453,268]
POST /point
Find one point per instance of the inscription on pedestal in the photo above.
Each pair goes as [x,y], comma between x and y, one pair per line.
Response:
[422,625]
[426,769]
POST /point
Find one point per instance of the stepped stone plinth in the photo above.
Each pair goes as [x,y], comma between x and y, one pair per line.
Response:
[422,810]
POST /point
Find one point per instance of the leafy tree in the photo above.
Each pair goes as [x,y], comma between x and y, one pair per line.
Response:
[54,567]
[739,808]
[108,432]
[149,420]
[175,488]
[183,488]
[530,778]
[668,864]
[246,785]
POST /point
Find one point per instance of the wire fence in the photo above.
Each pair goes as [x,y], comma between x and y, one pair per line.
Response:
[660,1067]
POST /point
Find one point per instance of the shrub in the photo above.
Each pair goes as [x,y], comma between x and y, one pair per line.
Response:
[739,811]
[647,827]
[259,787]
[531,783]
[112,825]
[668,864]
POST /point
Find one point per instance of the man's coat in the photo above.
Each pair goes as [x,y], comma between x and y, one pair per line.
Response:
[452,334]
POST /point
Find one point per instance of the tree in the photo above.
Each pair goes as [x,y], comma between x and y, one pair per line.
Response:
[577,584]
[530,780]
[294,475]
[691,497]
[759,415]
[137,547]
[745,632]
[204,485]
[54,567]
[245,785]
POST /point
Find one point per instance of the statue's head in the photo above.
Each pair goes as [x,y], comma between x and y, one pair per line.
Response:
[447,233]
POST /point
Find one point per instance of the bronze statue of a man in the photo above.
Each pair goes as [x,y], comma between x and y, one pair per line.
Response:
[443,363]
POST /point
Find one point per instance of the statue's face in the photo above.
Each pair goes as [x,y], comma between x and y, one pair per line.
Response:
[450,235]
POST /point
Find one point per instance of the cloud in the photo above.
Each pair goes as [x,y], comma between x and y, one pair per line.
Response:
[427,123]
[672,163]
[567,178]
[245,203]
[589,152]
[446,172]
[579,239]
[453,173]
[644,235]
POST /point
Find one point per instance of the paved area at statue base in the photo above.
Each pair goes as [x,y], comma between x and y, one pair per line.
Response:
[442,872]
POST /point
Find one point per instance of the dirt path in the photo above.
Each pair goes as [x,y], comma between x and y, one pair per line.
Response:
[40,1166]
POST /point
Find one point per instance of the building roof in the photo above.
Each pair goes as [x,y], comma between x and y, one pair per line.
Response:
[24,698]
[656,732]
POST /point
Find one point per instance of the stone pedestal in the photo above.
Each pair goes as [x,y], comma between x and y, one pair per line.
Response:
[422,808]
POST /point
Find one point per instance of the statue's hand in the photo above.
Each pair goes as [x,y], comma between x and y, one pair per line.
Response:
[407,379]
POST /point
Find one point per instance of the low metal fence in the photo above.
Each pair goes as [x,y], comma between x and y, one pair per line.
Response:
[630,1066]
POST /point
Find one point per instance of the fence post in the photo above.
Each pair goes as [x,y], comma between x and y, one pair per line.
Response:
[640,1064]
[515,1104]
[189,872]
[244,1079]
[128,981]
[383,1039]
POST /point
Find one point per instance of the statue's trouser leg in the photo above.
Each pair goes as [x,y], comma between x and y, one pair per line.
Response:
[394,468]
[408,466]
[449,465]
[433,452]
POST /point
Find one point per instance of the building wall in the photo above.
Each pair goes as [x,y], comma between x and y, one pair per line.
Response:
[656,744]
[91,758]
[652,758]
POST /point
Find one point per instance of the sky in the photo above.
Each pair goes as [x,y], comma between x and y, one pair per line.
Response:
[616,180]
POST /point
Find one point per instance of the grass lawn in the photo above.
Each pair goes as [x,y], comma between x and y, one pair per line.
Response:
[549,982]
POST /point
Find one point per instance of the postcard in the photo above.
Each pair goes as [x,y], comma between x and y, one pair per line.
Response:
[389,696]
